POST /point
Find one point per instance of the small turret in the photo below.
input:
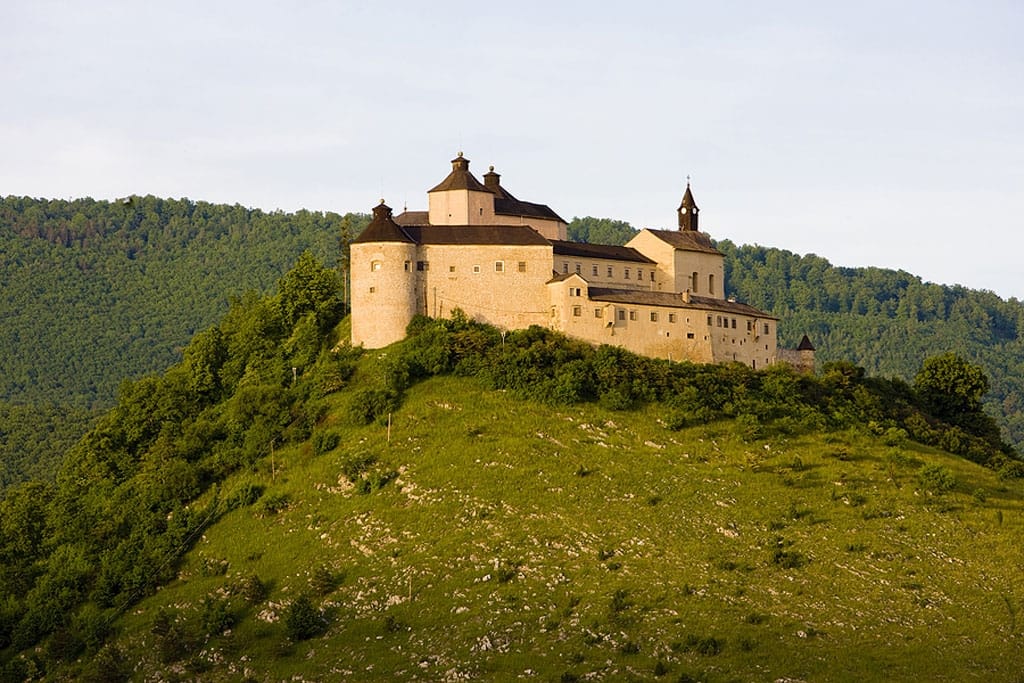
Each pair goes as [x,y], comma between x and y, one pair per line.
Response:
[688,211]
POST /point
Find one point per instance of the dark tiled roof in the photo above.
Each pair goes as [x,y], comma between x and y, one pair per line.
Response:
[605,251]
[382,228]
[460,178]
[688,240]
[413,218]
[509,206]
[516,235]
[805,344]
[674,300]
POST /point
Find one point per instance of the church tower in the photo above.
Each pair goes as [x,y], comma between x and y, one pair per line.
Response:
[688,211]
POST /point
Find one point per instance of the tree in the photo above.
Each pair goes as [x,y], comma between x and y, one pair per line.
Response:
[951,387]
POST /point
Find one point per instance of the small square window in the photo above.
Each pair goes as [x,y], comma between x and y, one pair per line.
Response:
[622,315]
[632,315]
[422,265]
[476,269]
[451,269]
[499,266]
[671,317]
[689,335]
[407,265]
[376,265]
[598,313]
[709,321]
[565,266]
[372,290]
[654,316]
[522,266]
[577,311]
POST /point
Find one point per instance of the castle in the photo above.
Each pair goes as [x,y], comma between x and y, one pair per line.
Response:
[508,263]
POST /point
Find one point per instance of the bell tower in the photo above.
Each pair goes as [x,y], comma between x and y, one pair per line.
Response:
[688,211]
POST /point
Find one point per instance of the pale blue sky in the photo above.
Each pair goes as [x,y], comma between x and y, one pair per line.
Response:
[869,133]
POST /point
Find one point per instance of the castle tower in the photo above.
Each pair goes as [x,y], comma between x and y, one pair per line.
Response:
[385,282]
[688,211]
[805,351]
[460,199]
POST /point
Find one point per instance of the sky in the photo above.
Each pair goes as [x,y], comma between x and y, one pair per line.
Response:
[885,134]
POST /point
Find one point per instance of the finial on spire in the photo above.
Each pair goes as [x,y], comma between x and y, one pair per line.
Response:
[460,153]
[490,168]
[687,179]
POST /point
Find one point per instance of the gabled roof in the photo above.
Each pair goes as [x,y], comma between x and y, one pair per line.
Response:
[496,235]
[510,206]
[413,218]
[602,251]
[687,240]
[674,300]
[382,228]
[460,178]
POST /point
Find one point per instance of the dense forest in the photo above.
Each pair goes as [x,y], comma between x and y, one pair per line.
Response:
[99,292]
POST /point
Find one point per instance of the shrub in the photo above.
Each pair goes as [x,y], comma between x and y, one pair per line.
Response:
[936,479]
[252,589]
[302,620]
[324,580]
[325,441]
[372,404]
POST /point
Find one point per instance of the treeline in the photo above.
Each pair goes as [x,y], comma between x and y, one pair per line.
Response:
[137,491]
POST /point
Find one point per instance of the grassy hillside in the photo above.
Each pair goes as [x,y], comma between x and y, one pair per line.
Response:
[522,542]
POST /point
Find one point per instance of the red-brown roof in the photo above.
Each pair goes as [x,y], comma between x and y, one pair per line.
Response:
[687,240]
[674,300]
[513,235]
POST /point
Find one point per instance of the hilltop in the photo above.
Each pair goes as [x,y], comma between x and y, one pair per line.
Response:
[470,504]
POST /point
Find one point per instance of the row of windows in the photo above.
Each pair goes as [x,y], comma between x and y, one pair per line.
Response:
[724,321]
[595,271]
[499,266]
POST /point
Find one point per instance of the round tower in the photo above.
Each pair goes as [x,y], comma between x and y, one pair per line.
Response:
[384,272]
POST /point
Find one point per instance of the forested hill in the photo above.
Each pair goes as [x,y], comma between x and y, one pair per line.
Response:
[885,321]
[96,292]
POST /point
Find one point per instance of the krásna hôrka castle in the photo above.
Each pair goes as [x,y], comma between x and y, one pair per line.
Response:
[508,263]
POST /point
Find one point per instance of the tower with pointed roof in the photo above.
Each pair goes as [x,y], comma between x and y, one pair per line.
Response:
[688,211]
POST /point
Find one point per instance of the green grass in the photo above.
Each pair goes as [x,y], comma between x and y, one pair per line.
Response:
[520,541]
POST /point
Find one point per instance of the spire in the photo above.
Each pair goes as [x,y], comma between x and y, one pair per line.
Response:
[382,227]
[688,210]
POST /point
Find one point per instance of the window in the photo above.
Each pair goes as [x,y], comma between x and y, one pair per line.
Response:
[766,330]
[652,276]
[748,326]
[376,265]
[522,266]
[718,321]
[577,311]
[499,266]
[689,335]
[451,269]
[625,273]
[622,314]
[671,317]
[372,290]
[711,284]
[632,315]
[709,321]
[734,323]
[693,281]
[610,271]
[575,291]
[565,266]
[593,271]
[422,265]
[654,316]
[578,268]
[598,313]
[639,274]
[407,265]
[476,269]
